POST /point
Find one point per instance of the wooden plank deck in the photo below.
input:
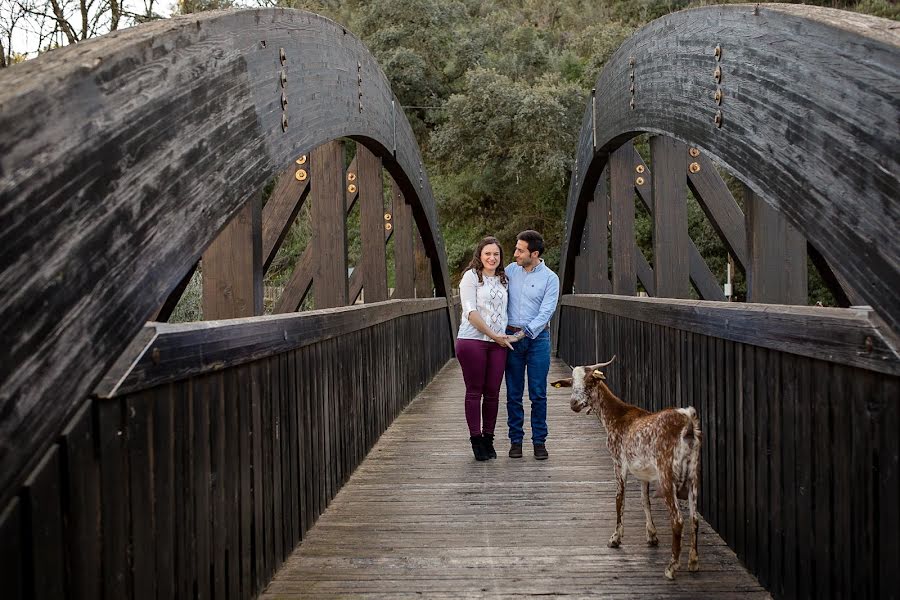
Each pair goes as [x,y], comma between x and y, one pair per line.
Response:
[420,517]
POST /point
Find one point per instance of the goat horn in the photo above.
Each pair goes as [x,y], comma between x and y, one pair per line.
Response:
[597,366]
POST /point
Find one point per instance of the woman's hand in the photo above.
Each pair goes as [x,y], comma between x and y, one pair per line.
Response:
[503,340]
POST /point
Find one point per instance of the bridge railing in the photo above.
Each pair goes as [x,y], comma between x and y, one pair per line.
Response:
[210,449]
[798,407]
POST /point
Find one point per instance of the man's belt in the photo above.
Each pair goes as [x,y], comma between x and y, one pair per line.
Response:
[514,329]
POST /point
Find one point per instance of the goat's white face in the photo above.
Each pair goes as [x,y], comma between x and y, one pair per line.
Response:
[579,393]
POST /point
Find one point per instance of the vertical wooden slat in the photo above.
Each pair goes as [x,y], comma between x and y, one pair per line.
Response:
[245,441]
[373,261]
[865,407]
[257,461]
[776,491]
[824,526]
[233,479]
[233,267]
[806,459]
[671,267]
[777,255]
[404,246]
[789,441]
[218,480]
[45,524]
[751,457]
[164,492]
[12,559]
[184,550]
[842,479]
[328,216]
[275,477]
[621,193]
[424,282]
[889,492]
[761,496]
[740,457]
[266,466]
[114,499]
[83,506]
[204,389]
[141,457]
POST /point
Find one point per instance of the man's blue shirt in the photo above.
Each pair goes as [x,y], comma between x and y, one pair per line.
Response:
[532,297]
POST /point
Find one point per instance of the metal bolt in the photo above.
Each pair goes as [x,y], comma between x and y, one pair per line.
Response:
[631,75]
[284,121]
[300,175]
[387,216]
[632,104]
[283,101]
[869,344]
[301,160]
[388,226]
[632,89]
[639,181]
[718,118]
[631,61]
[694,168]
[718,52]
[694,152]
[360,107]
[358,66]
[351,188]
[282,56]
[351,176]
[718,96]
[283,78]
[639,168]
[717,74]
[154,356]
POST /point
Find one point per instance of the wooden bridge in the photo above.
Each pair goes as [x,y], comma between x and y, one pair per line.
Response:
[323,453]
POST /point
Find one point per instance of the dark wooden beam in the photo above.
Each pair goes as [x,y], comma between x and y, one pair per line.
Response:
[777,254]
[373,260]
[621,193]
[329,217]
[838,335]
[644,271]
[299,283]
[424,284]
[169,351]
[671,266]
[232,267]
[404,246]
[592,273]
[702,279]
[843,295]
[720,207]
[283,206]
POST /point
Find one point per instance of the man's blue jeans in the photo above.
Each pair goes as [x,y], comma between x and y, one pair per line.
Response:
[533,356]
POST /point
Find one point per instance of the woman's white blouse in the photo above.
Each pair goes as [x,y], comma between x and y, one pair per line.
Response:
[488,298]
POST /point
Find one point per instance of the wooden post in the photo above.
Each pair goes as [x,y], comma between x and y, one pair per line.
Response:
[373,261]
[329,225]
[777,251]
[232,267]
[621,189]
[597,222]
[282,207]
[424,283]
[671,267]
[404,247]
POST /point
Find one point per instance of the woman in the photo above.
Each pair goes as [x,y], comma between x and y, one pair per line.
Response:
[482,342]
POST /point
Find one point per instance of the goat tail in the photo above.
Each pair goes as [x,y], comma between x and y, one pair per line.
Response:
[692,438]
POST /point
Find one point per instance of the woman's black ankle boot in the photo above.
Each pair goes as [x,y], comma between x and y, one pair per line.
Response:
[478,448]
[488,441]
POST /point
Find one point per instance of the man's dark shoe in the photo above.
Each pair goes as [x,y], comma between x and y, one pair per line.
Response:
[478,448]
[540,452]
[487,441]
[515,450]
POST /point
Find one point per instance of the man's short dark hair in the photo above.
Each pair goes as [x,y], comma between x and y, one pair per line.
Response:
[534,240]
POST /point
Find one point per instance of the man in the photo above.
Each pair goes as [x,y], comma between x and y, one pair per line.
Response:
[533,293]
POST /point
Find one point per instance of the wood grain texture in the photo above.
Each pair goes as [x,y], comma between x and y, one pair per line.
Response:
[373,261]
[803,148]
[171,160]
[671,266]
[233,267]
[624,248]
[720,208]
[404,247]
[328,214]
[842,335]
[281,210]
[173,352]
[421,517]
[776,272]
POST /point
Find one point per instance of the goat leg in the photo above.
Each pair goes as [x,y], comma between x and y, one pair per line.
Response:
[652,540]
[693,558]
[677,528]
[615,540]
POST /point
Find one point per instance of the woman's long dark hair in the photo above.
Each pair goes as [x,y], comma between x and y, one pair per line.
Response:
[476,260]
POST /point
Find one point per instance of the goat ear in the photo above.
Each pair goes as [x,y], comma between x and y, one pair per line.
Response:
[560,383]
[598,374]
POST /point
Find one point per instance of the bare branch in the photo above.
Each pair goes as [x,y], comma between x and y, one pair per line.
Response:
[2,56]
[63,23]
[84,19]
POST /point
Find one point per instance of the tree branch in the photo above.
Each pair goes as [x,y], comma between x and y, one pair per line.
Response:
[63,24]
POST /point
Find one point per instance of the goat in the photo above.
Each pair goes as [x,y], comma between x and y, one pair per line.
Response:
[662,447]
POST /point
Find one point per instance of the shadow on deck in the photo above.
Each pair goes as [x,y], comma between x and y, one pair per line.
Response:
[421,517]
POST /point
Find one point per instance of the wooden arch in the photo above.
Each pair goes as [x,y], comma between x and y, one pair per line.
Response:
[806,116]
[122,157]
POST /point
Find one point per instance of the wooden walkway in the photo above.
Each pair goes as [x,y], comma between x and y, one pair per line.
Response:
[420,517]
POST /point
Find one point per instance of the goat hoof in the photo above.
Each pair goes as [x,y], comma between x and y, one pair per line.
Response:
[670,570]
[614,542]
[653,541]
[694,566]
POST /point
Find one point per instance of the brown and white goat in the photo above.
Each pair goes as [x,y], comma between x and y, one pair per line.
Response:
[661,447]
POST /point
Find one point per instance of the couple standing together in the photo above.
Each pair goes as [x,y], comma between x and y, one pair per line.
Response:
[504,328]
